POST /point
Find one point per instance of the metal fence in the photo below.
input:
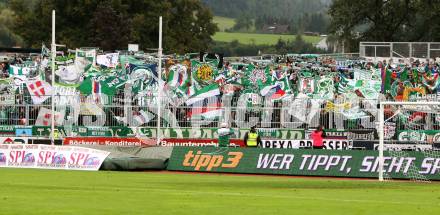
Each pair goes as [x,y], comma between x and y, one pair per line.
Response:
[79,113]
[399,50]
[239,112]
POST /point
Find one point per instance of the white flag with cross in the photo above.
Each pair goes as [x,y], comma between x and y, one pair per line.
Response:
[40,90]
[45,116]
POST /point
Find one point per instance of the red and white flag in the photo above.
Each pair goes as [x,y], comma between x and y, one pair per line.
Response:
[39,90]
[45,117]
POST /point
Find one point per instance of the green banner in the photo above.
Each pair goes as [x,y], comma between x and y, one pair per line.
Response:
[7,130]
[418,135]
[415,165]
[120,131]
[81,131]
[211,133]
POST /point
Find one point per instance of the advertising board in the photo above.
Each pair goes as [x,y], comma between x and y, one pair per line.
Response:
[344,163]
[51,157]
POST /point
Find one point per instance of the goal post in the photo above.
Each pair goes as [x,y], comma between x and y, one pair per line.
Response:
[418,115]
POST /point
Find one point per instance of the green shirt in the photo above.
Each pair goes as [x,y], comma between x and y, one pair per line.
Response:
[224,135]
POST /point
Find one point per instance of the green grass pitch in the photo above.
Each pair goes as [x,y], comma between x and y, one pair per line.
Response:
[28,191]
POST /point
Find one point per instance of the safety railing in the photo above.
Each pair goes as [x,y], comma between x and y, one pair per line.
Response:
[76,112]
[399,50]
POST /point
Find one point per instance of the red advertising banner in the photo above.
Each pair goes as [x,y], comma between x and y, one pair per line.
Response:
[110,141]
[198,142]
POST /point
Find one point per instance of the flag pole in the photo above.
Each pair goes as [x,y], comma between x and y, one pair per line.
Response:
[53,50]
[159,78]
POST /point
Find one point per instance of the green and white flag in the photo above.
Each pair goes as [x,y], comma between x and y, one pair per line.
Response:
[207,92]
[325,88]
[178,76]
[86,56]
[205,103]
[17,70]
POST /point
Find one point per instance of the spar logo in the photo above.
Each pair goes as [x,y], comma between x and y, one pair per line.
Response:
[210,161]
[82,160]
[51,159]
[21,158]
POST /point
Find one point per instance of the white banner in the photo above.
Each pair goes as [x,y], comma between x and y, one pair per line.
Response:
[51,157]
[332,144]
[108,60]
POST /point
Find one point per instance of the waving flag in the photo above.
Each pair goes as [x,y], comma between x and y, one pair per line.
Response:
[178,76]
[142,118]
[205,103]
[45,117]
[68,74]
[39,90]
[109,60]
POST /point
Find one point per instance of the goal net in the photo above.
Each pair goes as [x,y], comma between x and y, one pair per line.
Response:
[408,136]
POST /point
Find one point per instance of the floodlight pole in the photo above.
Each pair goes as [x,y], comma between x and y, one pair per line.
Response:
[159,82]
[54,51]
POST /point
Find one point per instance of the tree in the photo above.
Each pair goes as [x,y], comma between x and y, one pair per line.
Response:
[389,20]
[109,29]
[244,21]
[112,24]
[7,37]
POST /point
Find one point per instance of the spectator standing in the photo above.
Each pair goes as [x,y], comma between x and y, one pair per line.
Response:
[317,137]
[251,138]
[224,135]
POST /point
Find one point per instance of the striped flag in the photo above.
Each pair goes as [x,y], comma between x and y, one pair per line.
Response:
[96,87]
[142,118]
[342,85]
[209,108]
[178,76]
[97,92]
[205,103]
[209,91]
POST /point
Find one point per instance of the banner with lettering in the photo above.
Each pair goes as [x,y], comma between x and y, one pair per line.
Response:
[346,163]
[51,157]
[331,144]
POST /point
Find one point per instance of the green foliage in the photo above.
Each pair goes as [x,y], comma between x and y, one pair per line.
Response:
[7,37]
[243,22]
[31,191]
[308,15]
[109,28]
[112,24]
[269,8]
[393,20]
